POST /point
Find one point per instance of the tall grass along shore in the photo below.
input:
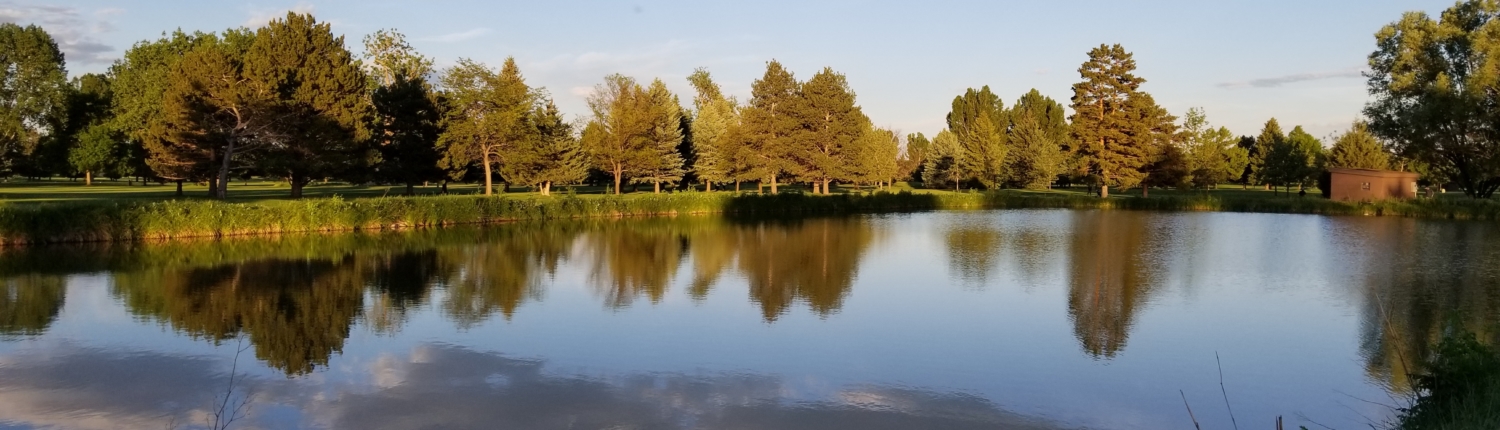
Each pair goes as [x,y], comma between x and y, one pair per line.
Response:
[127,220]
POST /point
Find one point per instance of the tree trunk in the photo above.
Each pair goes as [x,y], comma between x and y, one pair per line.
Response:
[773,184]
[88,178]
[736,185]
[506,187]
[547,188]
[708,187]
[1145,191]
[444,187]
[655,187]
[213,188]
[826,184]
[410,189]
[1103,191]
[760,187]
[618,172]
[298,181]
[489,187]
[179,188]
[815,189]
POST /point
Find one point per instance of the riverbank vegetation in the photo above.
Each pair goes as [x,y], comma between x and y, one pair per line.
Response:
[1459,388]
[157,220]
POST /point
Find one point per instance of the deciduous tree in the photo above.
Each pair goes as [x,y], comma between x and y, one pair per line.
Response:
[617,139]
[33,91]
[488,114]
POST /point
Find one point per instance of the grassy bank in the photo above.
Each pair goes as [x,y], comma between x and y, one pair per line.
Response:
[1460,389]
[154,220]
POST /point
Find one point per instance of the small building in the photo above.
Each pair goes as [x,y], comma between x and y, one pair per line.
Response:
[1366,185]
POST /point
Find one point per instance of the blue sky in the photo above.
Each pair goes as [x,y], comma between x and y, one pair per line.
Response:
[1243,61]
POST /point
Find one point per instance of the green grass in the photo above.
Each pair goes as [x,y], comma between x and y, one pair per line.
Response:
[61,212]
[1460,389]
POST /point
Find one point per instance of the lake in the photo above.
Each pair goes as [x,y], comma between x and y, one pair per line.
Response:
[1029,319]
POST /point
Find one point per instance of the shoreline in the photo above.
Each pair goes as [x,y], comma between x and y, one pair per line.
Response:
[92,222]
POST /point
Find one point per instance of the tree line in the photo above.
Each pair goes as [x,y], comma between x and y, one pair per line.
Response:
[290,101]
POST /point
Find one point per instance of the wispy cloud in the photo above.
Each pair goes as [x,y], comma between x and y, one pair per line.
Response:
[459,36]
[76,35]
[260,17]
[1277,81]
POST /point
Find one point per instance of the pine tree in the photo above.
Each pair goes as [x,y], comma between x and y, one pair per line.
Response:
[913,157]
[212,113]
[1038,130]
[980,121]
[1359,149]
[872,157]
[770,127]
[1101,120]
[664,163]
[552,156]
[406,129]
[314,81]
[717,154]
[1152,135]
[138,84]
[824,148]
[942,162]
[1270,137]
[487,116]
[1213,153]
[1294,160]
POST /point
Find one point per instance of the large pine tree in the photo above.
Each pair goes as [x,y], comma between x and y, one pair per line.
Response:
[139,82]
[212,113]
[487,116]
[770,126]
[664,164]
[307,74]
[551,156]
[825,147]
[1101,118]
[1038,133]
[1270,137]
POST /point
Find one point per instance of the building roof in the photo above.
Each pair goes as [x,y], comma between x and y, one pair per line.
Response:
[1372,173]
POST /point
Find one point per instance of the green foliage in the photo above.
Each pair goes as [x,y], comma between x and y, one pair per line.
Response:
[33,94]
[388,57]
[771,126]
[405,131]
[210,112]
[1297,160]
[979,120]
[617,139]
[1459,390]
[829,145]
[552,156]
[1213,155]
[663,163]
[1359,149]
[872,158]
[1039,141]
[138,85]
[941,168]
[1432,83]
[1270,138]
[96,150]
[720,154]
[1115,126]
[913,156]
[487,116]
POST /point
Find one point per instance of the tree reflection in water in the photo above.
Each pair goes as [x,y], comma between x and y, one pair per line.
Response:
[1112,272]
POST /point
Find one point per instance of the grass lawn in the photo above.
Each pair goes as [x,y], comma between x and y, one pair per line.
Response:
[65,190]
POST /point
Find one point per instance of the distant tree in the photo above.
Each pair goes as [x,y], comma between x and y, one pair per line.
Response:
[1213,154]
[664,163]
[33,94]
[407,119]
[1153,131]
[913,157]
[87,104]
[317,87]
[1270,137]
[138,84]
[941,170]
[770,128]
[718,154]
[212,113]
[405,131]
[94,152]
[1102,121]
[825,149]
[979,120]
[387,57]
[618,137]
[552,156]
[1359,149]
[873,157]
[1294,161]
[1433,88]
[1038,130]
[487,116]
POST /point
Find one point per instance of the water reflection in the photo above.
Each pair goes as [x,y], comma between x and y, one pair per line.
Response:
[442,386]
[1113,271]
[29,303]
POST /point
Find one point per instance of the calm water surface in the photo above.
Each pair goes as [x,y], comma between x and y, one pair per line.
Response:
[952,320]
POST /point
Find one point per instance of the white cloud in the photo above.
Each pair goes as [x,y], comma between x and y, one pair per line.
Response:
[76,35]
[260,17]
[1277,81]
[459,36]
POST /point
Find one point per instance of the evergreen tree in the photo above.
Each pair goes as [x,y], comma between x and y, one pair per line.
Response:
[979,121]
[1295,160]
[872,158]
[913,157]
[308,75]
[33,92]
[138,84]
[553,156]
[1213,154]
[1359,149]
[1038,130]
[824,148]
[487,116]
[387,57]
[618,138]
[212,113]
[664,163]
[1101,119]
[717,154]
[1270,137]
[770,127]
[1152,132]
[940,170]
[406,130]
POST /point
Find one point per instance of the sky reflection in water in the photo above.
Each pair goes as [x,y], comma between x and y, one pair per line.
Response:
[1008,319]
